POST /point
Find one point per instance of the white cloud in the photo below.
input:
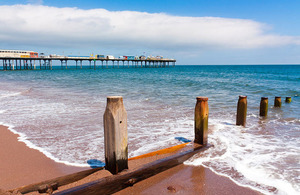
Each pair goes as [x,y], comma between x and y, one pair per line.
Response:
[43,25]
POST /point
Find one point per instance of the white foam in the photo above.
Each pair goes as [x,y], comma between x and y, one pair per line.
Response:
[23,138]
[251,160]
[11,94]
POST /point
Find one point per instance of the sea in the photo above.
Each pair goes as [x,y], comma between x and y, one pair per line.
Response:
[60,113]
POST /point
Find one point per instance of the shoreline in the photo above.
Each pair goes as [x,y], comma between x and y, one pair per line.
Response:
[21,165]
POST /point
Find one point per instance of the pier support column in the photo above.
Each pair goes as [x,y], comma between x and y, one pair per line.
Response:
[288,99]
[263,111]
[115,135]
[201,120]
[80,64]
[241,111]
[277,102]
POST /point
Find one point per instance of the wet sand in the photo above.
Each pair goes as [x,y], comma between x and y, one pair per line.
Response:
[21,165]
[190,180]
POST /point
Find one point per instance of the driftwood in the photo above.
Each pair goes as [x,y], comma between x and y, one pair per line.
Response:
[60,181]
[115,183]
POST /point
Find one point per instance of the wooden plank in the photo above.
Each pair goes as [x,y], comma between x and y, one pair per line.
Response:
[115,183]
[159,152]
[64,180]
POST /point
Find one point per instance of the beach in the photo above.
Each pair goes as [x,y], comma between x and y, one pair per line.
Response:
[59,113]
[21,166]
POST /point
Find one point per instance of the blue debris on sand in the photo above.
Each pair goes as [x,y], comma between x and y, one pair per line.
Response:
[182,139]
[94,163]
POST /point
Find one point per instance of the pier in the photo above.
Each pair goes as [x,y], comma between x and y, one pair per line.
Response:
[46,63]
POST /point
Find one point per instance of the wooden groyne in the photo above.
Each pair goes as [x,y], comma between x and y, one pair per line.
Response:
[116,155]
[21,63]
[116,151]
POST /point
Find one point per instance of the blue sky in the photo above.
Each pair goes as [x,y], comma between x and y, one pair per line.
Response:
[193,32]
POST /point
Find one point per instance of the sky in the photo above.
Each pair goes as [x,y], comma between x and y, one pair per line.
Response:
[194,32]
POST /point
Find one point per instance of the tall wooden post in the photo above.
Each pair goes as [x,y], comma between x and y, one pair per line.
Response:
[288,99]
[201,121]
[241,111]
[115,135]
[263,111]
[277,102]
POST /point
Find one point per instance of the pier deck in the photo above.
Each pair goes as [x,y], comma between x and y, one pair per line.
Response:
[21,63]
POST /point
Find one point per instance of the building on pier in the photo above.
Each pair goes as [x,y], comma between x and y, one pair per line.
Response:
[18,54]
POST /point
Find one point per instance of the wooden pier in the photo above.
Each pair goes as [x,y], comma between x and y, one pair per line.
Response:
[21,63]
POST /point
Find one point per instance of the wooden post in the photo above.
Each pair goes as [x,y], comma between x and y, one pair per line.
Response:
[277,102]
[201,121]
[288,99]
[241,111]
[263,111]
[115,135]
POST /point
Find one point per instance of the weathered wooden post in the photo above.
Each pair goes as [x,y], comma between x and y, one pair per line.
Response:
[263,111]
[201,121]
[115,135]
[288,99]
[241,111]
[277,101]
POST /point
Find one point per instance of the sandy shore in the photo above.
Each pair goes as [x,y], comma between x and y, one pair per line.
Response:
[21,165]
[190,180]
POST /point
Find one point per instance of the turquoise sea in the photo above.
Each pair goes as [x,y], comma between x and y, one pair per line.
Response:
[60,112]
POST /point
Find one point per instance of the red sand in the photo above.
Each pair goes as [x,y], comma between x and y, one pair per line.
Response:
[20,165]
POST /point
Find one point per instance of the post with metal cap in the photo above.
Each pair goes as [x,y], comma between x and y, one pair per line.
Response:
[115,135]
[241,111]
[277,102]
[201,120]
[288,99]
[263,111]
